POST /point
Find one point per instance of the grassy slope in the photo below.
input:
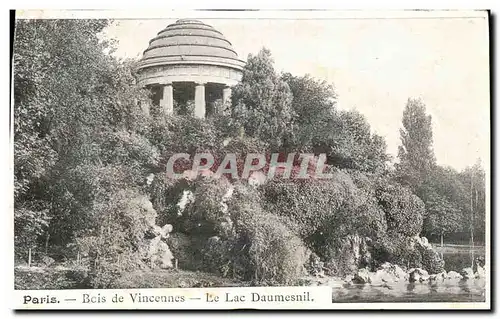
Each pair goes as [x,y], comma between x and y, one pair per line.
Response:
[48,278]
[457,249]
[52,278]
[170,278]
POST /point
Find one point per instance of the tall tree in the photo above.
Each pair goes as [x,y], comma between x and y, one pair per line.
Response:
[75,107]
[313,105]
[474,179]
[262,100]
[445,198]
[416,155]
[319,127]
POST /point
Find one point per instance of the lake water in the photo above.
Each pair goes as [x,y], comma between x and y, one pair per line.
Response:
[456,258]
[460,291]
[459,257]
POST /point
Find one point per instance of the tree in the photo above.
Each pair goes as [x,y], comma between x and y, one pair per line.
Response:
[404,211]
[443,217]
[76,112]
[416,156]
[262,100]
[444,196]
[313,105]
[353,146]
[474,181]
[318,127]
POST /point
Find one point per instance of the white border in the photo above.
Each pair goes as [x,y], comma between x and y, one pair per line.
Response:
[264,14]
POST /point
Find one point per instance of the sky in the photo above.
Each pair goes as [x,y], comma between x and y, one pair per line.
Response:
[375,65]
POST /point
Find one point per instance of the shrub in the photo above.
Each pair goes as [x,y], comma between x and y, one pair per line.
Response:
[397,249]
[182,134]
[218,256]
[322,212]
[407,252]
[49,278]
[349,254]
[278,255]
[431,261]
[275,254]
[114,246]
[234,237]
[186,249]
[404,211]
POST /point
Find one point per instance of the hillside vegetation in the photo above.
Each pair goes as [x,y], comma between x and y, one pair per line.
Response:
[91,188]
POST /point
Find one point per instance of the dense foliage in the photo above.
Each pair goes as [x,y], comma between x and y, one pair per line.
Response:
[454,201]
[415,153]
[90,182]
[77,139]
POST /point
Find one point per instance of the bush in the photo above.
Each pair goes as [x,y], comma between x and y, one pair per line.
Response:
[407,252]
[48,278]
[322,212]
[115,245]
[275,254]
[227,232]
[278,255]
[431,261]
[218,257]
[186,249]
[397,249]
[350,254]
[404,211]
[183,134]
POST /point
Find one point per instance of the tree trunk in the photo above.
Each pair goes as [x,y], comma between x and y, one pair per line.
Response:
[47,243]
[472,249]
[442,246]
[472,219]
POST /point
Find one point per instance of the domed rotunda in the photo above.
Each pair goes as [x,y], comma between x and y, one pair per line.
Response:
[189,61]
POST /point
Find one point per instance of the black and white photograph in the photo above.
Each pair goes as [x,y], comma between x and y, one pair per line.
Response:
[251,159]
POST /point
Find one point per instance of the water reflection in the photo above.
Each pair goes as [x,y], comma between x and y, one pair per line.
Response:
[449,290]
[463,291]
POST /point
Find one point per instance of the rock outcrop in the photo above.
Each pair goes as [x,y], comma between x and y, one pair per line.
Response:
[468,273]
[397,273]
[438,277]
[481,272]
[453,275]
[158,254]
[363,276]
[387,273]
[418,275]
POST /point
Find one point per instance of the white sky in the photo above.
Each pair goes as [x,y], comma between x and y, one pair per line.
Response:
[375,66]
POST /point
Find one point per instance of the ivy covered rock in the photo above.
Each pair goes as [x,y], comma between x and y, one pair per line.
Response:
[468,273]
[362,276]
[418,275]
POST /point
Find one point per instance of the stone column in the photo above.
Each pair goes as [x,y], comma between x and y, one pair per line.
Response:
[167,102]
[145,108]
[226,95]
[199,100]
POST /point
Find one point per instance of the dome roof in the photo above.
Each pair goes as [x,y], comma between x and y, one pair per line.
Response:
[190,41]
